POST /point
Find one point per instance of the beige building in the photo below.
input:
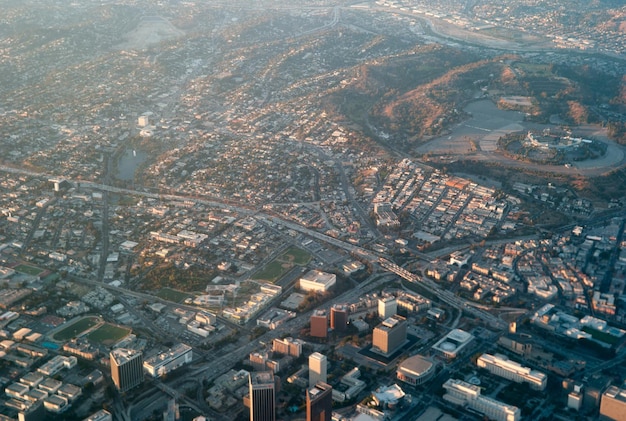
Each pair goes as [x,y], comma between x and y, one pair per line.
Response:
[613,404]
[390,335]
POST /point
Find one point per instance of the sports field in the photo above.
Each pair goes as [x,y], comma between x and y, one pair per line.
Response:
[76,329]
[293,256]
[28,270]
[296,256]
[173,295]
[108,334]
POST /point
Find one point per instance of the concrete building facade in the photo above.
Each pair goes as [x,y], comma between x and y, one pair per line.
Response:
[126,368]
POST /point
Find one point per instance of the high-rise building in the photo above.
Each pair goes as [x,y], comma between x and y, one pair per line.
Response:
[317,368]
[387,307]
[319,324]
[389,336]
[613,404]
[339,317]
[319,402]
[126,368]
[262,396]
[288,346]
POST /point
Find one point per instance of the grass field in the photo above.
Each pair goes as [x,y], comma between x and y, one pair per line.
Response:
[108,334]
[76,328]
[172,295]
[28,270]
[272,271]
[296,256]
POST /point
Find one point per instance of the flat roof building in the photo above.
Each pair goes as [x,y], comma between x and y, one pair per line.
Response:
[339,317]
[319,402]
[387,307]
[262,396]
[126,368]
[451,345]
[318,281]
[468,395]
[318,365]
[319,324]
[101,415]
[168,361]
[288,346]
[613,404]
[390,335]
[500,365]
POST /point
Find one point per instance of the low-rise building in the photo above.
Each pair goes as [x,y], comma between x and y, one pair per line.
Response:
[317,281]
[468,395]
[501,366]
[168,361]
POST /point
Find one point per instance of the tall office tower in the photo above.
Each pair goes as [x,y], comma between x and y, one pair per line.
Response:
[317,368]
[288,346]
[387,307]
[262,396]
[319,402]
[339,317]
[613,404]
[319,324]
[126,368]
[389,336]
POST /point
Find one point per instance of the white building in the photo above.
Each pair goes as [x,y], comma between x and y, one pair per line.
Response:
[317,281]
[318,365]
[451,345]
[57,364]
[468,395]
[387,307]
[165,362]
[501,366]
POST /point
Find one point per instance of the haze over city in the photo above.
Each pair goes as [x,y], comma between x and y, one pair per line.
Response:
[312,210]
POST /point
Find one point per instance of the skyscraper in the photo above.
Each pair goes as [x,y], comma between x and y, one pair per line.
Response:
[387,307]
[262,396]
[319,324]
[126,368]
[319,402]
[317,368]
[339,317]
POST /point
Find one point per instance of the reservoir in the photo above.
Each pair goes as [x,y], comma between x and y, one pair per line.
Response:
[128,163]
